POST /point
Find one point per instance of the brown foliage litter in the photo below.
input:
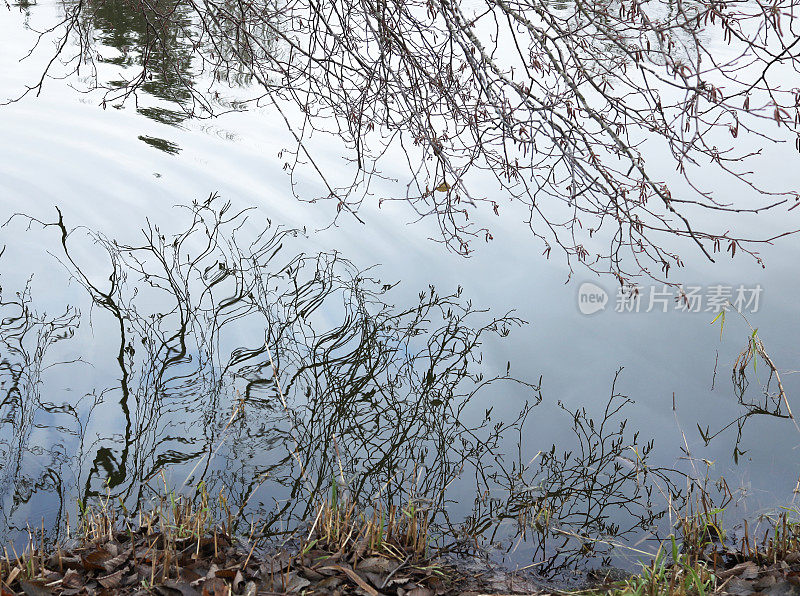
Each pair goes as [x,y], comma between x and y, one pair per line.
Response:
[175,550]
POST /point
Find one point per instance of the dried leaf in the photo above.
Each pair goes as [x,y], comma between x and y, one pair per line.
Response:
[292,582]
[189,575]
[297,583]
[118,560]
[329,583]
[356,578]
[378,565]
[227,573]
[70,561]
[34,588]
[377,579]
[421,592]
[183,588]
[112,580]
[750,572]
[238,580]
[736,569]
[72,579]
[311,574]
[165,590]
[275,564]
[215,587]
[397,580]
[738,587]
[764,582]
[94,561]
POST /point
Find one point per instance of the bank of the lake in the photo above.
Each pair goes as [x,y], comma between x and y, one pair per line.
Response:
[174,547]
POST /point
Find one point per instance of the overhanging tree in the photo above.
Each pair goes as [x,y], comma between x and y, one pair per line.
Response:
[578,112]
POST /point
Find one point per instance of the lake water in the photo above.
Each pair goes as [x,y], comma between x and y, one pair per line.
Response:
[120,369]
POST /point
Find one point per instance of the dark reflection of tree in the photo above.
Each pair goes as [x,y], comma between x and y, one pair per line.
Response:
[271,374]
[159,57]
[236,43]
[154,59]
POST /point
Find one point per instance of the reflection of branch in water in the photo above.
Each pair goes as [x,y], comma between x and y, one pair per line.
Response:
[195,314]
[567,507]
[26,337]
[379,399]
[771,401]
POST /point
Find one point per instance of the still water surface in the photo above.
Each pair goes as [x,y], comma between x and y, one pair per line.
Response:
[144,345]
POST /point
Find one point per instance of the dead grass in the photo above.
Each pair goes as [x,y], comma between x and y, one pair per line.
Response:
[179,543]
[395,531]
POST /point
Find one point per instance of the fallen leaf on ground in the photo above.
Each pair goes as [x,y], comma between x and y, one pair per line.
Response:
[72,579]
[32,588]
[94,561]
[183,588]
[356,578]
[112,580]
[421,592]
[215,587]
